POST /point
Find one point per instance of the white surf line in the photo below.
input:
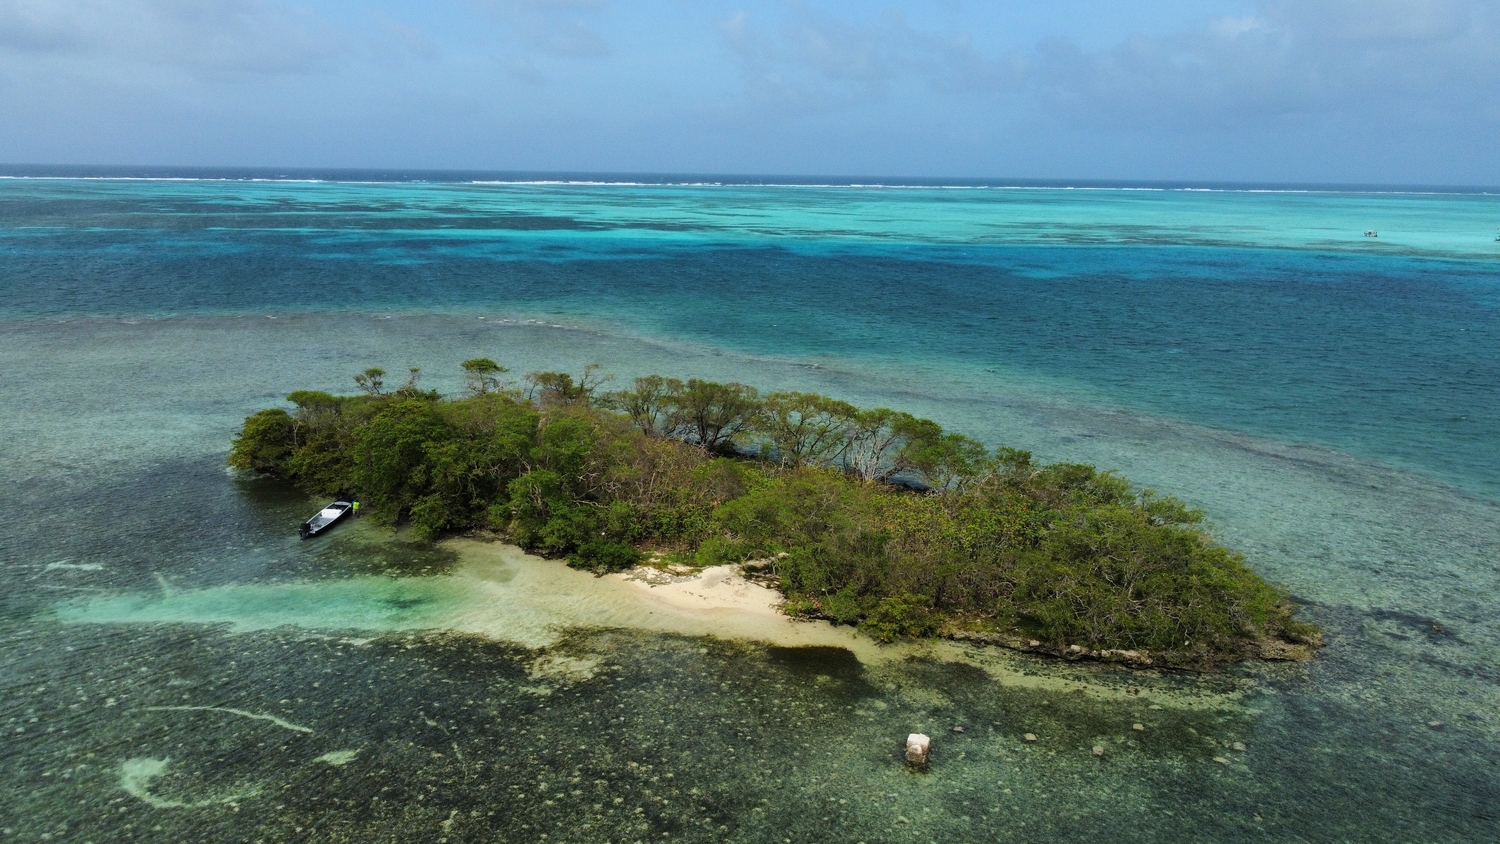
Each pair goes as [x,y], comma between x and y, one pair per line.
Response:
[68,564]
[240,712]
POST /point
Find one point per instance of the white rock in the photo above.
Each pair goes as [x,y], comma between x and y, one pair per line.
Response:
[917,748]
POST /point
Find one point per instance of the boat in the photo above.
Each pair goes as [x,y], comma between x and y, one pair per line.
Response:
[325,519]
[1371,233]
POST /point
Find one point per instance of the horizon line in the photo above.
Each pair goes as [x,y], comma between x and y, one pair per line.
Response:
[643,178]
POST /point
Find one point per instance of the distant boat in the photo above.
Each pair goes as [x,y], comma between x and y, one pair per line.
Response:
[325,519]
[1371,233]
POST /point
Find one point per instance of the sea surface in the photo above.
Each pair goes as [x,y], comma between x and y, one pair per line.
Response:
[176,665]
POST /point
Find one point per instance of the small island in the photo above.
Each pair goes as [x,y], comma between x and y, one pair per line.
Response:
[867,517]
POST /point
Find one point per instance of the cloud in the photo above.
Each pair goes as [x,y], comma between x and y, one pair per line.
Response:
[1374,90]
[215,39]
[808,61]
[1378,59]
[556,27]
[397,43]
[1381,59]
[38,26]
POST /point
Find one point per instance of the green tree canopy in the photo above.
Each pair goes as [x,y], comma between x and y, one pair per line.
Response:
[713,414]
[372,381]
[805,428]
[482,375]
[649,404]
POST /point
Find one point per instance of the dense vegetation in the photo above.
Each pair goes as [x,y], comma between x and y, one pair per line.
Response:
[868,517]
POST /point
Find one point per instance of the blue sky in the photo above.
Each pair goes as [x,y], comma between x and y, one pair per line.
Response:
[1374,91]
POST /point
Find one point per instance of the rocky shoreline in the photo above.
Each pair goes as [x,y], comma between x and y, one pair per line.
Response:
[1267,649]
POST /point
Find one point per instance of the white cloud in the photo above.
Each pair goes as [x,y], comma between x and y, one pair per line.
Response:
[1377,59]
[1383,59]
[557,27]
[811,62]
[205,38]
[1372,90]
[39,26]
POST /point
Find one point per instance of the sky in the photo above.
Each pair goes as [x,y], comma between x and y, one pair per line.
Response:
[1352,91]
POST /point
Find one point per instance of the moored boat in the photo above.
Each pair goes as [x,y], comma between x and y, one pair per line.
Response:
[325,519]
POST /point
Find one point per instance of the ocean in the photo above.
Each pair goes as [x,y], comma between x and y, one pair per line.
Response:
[178,666]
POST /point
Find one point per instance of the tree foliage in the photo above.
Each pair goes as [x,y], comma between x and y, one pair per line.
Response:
[805,428]
[372,381]
[649,405]
[482,375]
[713,414]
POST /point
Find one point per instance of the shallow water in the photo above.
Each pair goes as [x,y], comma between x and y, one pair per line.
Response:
[158,612]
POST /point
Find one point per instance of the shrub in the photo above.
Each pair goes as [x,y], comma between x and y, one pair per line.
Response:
[843,607]
[264,443]
[900,616]
[605,556]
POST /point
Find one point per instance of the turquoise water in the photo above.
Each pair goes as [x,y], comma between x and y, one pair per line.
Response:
[1329,399]
[1268,313]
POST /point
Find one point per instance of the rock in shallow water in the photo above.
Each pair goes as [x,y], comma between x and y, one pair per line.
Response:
[917,748]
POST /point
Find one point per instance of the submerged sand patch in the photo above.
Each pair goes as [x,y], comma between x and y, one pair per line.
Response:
[136,775]
[501,593]
[496,591]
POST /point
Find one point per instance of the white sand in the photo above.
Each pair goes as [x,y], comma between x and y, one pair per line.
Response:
[719,587]
[535,600]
